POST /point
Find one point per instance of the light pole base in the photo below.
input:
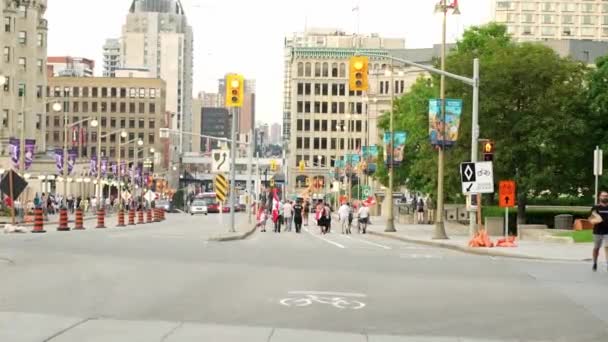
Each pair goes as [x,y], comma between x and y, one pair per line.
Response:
[390,226]
[439,233]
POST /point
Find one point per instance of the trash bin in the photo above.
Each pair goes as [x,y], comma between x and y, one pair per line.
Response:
[563,221]
[451,214]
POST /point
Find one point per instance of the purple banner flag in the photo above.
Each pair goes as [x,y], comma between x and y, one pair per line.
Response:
[113,168]
[72,155]
[30,147]
[13,150]
[123,168]
[59,160]
[93,166]
[104,166]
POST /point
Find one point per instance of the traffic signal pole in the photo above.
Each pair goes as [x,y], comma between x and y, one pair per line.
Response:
[233,171]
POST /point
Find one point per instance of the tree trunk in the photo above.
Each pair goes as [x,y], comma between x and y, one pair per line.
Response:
[521,207]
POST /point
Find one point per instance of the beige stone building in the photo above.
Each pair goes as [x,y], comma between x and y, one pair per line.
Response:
[23,40]
[323,120]
[534,20]
[135,105]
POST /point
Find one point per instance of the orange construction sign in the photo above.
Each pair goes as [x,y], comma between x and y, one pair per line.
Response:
[506,194]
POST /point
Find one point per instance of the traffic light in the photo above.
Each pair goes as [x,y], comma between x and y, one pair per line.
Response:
[272,183]
[273,165]
[301,166]
[358,66]
[235,89]
[488,150]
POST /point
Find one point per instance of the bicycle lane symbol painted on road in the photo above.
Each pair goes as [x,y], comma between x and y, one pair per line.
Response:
[339,300]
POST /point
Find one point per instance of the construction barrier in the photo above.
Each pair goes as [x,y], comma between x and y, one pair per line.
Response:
[140,217]
[156,215]
[101,218]
[149,216]
[162,214]
[63,221]
[121,218]
[131,217]
[79,222]
[38,221]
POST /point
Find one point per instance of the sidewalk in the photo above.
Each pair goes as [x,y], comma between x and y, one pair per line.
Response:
[459,240]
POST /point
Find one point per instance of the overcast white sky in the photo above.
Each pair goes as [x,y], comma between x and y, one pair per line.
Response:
[246,36]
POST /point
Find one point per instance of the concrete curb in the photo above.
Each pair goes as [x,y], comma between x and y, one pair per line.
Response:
[235,236]
[470,250]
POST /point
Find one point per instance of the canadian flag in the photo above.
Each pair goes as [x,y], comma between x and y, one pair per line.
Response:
[275,205]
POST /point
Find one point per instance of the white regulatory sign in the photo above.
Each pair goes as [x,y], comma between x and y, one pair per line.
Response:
[477,178]
[220,161]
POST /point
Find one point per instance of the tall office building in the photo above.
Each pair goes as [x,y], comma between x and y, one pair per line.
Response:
[275,134]
[322,119]
[529,20]
[111,57]
[157,36]
[23,75]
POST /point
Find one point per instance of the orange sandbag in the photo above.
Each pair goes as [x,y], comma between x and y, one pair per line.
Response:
[506,242]
[481,239]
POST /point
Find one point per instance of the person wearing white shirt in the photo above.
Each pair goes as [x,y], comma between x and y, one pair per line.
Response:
[363,216]
[288,215]
[343,214]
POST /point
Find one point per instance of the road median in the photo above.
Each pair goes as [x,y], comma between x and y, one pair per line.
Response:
[243,232]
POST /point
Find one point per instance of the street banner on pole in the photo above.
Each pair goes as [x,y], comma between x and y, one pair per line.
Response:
[93,166]
[113,168]
[437,127]
[72,154]
[59,160]
[13,151]
[104,166]
[397,146]
[30,147]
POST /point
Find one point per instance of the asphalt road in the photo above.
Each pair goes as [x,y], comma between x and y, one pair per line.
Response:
[167,283]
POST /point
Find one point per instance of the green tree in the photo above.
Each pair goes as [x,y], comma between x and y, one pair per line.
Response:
[532,104]
[597,100]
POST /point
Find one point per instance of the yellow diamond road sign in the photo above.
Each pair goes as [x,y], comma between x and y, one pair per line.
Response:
[220,184]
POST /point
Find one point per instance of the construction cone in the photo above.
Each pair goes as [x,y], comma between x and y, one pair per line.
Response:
[131,217]
[162,214]
[121,218]
[38,221]
[63,221]
[140,217]
[149,216]
[79,225]
[101,219]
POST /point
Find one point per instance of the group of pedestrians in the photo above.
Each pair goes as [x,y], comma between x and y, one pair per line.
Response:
[296,213]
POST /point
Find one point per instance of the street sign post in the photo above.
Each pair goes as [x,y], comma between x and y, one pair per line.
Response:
[220,185]
[506,199]
[220,161]
[598,168]
[477,178]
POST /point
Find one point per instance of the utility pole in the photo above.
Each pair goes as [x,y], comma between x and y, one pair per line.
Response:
[249,186]
[390,220]
[233,170]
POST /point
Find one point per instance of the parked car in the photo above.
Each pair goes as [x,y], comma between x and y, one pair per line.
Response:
[198,207]
[165,204]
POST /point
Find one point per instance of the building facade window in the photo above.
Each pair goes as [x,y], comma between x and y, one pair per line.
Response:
[22,37]
[7,24]
[22,64]
[6,54]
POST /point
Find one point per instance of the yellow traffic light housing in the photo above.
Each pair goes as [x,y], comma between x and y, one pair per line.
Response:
[302,165]
[235,89]
[273,165]
[358,70]
[488,150]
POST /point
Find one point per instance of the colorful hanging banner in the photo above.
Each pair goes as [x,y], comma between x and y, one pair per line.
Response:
[30,148]
[13,151]
[113,168]
[123,168]
[437,128]
[104,166]
[59,160]
[397,146]
[72,155]
[93,166]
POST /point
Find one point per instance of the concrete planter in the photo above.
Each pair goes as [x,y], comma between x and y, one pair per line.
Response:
[495,226]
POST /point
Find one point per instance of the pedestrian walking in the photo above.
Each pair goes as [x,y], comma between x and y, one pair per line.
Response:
[298,213]
[420,211]
[599,218]
[430,206]
[344,213]
[288,215]
[305,213]
[362,218]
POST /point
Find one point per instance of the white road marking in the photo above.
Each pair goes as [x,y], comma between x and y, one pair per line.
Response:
[368,242]
[420,256]
[324,239]
[327,293]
